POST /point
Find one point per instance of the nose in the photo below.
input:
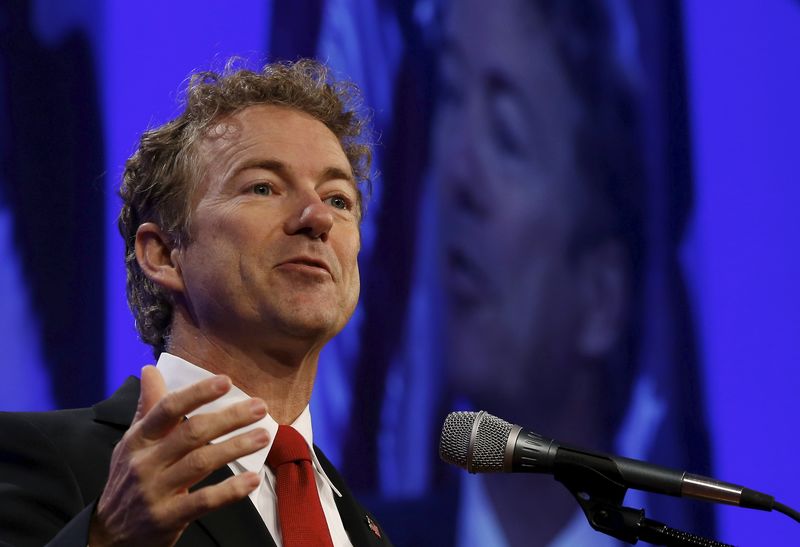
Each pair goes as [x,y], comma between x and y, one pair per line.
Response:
[313,220]
[464,178]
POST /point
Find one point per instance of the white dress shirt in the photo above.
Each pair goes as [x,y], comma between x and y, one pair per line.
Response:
[179,373]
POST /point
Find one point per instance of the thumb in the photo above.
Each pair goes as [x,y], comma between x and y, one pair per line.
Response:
[153,390]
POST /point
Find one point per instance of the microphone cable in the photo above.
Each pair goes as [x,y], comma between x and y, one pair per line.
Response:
[786,510]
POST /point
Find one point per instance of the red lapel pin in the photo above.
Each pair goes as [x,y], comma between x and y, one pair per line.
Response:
[373,526]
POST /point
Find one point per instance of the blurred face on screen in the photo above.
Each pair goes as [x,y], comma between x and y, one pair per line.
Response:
[504,156]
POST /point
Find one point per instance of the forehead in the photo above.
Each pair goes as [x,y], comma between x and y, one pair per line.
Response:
[509,41]
[271,132]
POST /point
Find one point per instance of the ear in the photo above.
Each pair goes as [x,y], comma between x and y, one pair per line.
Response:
[604,293]
[157,258]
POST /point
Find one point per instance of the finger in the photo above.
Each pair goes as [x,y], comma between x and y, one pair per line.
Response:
[171,409]
[152,390]
[199,463]
[201,429]
[204,500]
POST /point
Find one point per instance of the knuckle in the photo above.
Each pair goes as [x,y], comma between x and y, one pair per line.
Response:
[239,412]
[161,521]
[242,442]
[131,440]
[243,488]
[137,467]
[203,500]
[198,461]
[192,430]
[170,405]
[120,449]
[137,435]
[150,507]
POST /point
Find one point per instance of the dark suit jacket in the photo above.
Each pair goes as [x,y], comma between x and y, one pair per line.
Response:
[53,466]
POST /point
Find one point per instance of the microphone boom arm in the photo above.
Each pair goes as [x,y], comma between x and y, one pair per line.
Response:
[601,497]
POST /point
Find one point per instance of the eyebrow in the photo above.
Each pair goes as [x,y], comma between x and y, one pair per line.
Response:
[332,173]
[280,168]
[448,47]
[498,81]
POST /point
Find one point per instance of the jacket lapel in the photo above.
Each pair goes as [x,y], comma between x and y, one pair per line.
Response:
[361,527]
[120,408]
[354,521]
[238,524]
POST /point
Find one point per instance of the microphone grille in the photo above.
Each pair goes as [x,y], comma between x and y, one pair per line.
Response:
[454,441]
[488,451]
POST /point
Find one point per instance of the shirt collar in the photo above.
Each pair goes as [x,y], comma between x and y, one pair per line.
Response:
[179,373]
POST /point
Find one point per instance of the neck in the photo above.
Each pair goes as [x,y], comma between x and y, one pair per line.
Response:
[577,422]
[281,372]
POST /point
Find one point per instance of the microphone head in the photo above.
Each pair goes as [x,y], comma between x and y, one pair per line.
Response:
[475,441]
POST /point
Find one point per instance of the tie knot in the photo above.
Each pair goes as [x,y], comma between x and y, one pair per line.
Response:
[288,446]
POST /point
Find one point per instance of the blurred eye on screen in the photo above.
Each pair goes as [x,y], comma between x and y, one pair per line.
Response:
[506,119]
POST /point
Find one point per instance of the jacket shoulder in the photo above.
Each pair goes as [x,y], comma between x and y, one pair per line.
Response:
[53,465]
[39,491]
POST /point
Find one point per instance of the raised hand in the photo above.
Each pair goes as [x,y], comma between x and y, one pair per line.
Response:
[146,500]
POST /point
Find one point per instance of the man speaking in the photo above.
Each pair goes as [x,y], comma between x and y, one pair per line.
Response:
[241,225]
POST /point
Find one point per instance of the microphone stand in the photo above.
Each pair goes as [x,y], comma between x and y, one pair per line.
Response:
[601,498]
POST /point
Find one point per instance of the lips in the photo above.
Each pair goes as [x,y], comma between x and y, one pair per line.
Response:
[466,282]
[306,263]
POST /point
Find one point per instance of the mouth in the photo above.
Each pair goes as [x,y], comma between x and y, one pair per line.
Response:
[467,284]
[306,264]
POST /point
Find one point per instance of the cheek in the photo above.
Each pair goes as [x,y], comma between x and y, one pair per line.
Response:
[356,290]
[535,280]
[538,223]
[348,260]
[347,251]
[354,282]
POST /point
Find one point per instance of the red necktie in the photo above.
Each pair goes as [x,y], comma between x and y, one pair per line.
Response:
[300,513]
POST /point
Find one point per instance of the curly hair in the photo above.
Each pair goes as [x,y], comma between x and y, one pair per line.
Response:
[160,178]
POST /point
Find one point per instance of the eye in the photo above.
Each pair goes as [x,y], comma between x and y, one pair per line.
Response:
[262,189]
[340,202]
[450,82]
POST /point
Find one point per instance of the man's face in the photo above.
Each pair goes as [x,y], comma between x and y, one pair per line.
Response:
[274,232]
[504,155]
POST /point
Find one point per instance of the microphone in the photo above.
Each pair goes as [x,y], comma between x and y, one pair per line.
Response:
[482,443]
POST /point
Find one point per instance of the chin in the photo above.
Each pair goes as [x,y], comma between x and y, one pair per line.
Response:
[473,353]
[471,374]
[309,326]
[489,377]
[309,311]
